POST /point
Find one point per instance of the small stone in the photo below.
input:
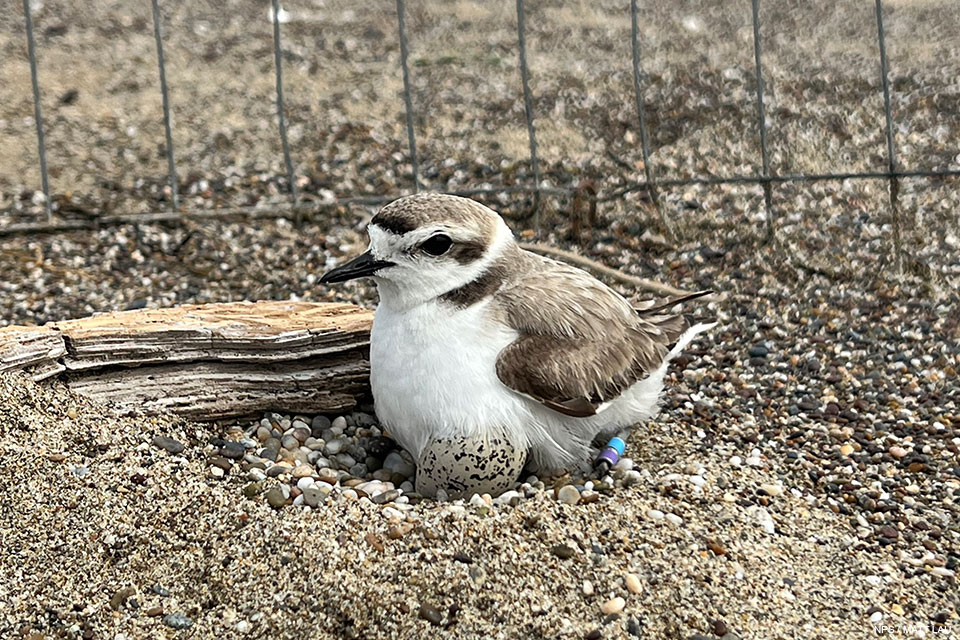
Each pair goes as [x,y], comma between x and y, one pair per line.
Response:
[339,424]
[876,617]
[169,445]
[674,519]
[177,621]
[244,627]
[588,589]
[632,581]
[394,462]
[232,450]
[386,496]
[276,498]
[719,628]
[431,614]
[252,489]
[589,497]
[846,449]
[716,548]
[613,606]
[154,612]
[397,531]
[758,351]
[888,531]
[772,490]
[898,452]
[655,514]
[302,471]
[897,609]
[314,495]
[568,494]
[563,551]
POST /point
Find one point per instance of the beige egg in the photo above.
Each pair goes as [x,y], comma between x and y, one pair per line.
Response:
[465,466]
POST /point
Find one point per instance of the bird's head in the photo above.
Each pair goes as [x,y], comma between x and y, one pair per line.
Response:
[426,245]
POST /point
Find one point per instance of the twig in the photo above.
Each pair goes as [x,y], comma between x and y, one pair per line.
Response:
[593,265]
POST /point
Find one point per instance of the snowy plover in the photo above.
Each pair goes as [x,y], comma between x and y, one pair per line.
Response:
[479,345]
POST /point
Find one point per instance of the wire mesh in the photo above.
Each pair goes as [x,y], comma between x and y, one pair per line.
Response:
[651,184]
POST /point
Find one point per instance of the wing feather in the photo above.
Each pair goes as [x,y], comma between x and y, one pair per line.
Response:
[582,346]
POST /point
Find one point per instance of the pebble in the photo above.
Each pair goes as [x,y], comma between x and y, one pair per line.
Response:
[632,582]
[655,514]
[177,621]
[588,589]
[563,551]
[772,490]
[275,497]
[613,606]
[169,445]
[314,495]
[396,463]
[232,450]
[302,471]
[431,614]
[846,449]
[674,519]
[568,494]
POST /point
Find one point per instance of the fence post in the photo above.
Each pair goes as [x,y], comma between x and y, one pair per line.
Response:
[278,66]
[891,148]
[37,111]
[171,168]
[762,120]
[641,114]
[407,99]
[528,109]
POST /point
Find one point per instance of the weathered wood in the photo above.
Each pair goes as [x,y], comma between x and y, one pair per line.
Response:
[205,361]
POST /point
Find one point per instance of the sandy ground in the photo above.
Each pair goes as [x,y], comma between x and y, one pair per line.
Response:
[161,527]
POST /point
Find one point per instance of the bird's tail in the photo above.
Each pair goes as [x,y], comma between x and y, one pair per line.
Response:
[687,337]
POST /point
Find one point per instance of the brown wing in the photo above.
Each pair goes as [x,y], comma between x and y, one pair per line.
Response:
[581,348]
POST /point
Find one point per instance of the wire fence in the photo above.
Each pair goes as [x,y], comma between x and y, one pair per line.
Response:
[767,178]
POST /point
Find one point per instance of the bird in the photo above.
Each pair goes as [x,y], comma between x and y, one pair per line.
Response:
[485,357]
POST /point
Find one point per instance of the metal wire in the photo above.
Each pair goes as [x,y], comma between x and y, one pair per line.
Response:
[168,131]
[528,108]
[891,150]
[809,177]
[762,121]
[641,114]
[37,111]
[411,138]
[278,65]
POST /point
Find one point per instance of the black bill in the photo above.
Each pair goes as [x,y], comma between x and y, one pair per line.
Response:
[363,265]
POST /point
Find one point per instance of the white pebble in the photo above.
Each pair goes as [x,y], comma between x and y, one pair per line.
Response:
[876,617]
[568,494]
[655,514]
[697,481]
[736,461]
[632,581]
[338,425]
[674,519]
[587,588]
[304,483]
[613,606]
[624,464]
[244,627]
[216,472]
[772,490]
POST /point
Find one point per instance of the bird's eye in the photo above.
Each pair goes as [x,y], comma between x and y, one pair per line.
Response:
[437,245]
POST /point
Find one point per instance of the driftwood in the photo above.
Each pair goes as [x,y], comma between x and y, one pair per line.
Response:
[206,362]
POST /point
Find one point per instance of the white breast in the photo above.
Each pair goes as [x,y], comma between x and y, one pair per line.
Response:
[433,373]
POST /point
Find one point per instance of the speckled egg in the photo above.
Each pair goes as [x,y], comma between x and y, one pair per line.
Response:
[465,466]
